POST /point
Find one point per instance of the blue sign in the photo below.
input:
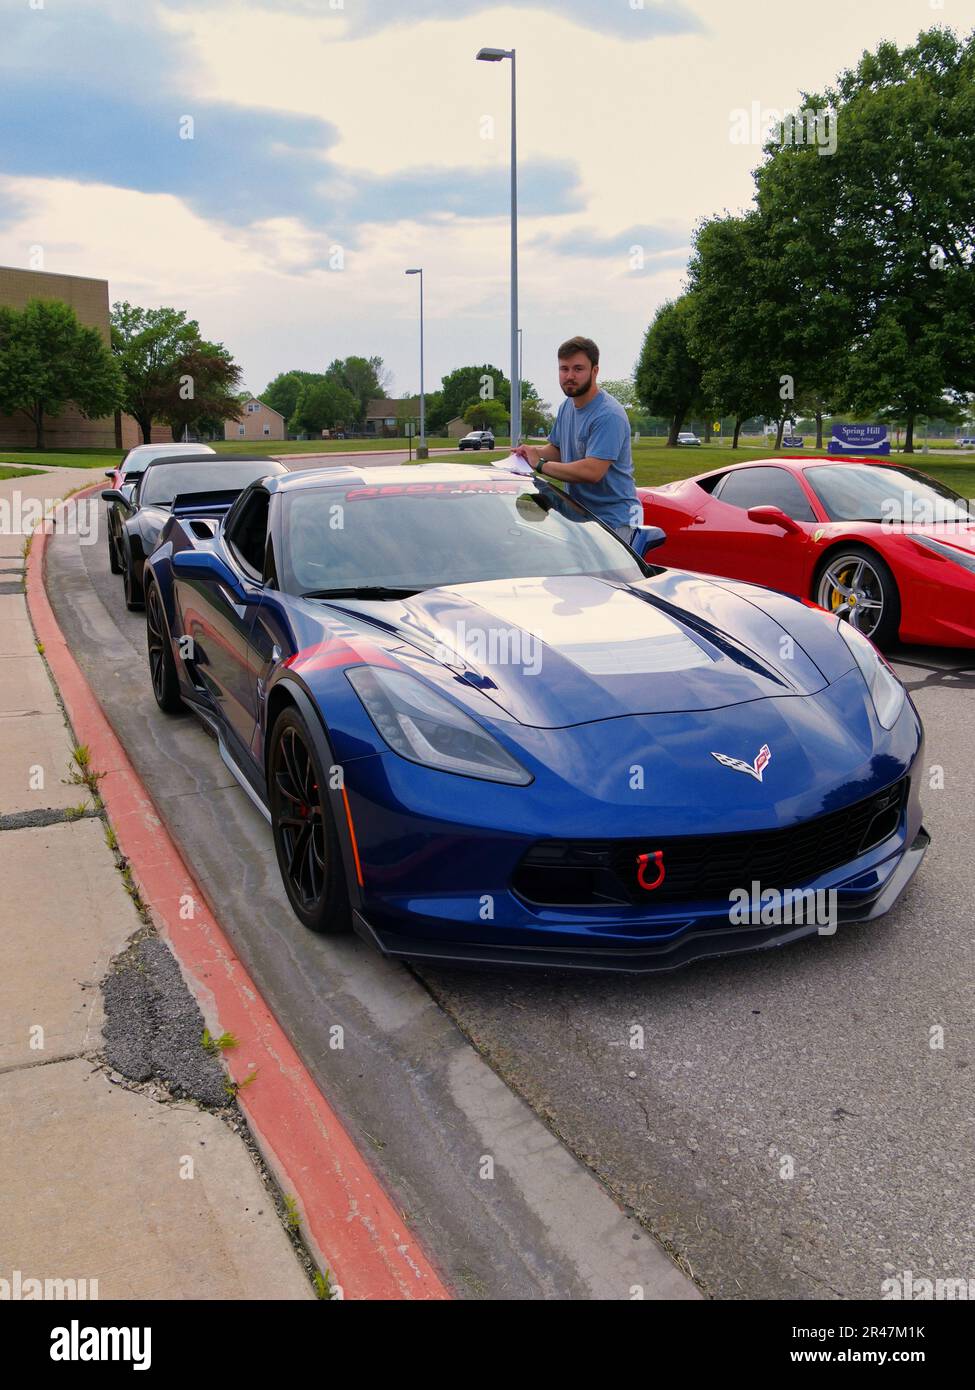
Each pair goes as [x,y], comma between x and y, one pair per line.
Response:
[859,439]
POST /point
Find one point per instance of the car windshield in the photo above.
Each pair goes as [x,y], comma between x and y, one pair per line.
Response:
[413,536]
[852,492]
[135,462]
[164,481]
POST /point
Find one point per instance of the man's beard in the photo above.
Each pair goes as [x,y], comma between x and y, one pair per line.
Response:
[571,390]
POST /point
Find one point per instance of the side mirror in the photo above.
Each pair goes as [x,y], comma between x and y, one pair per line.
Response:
[109,472]
[112,494]
[647,538]
[203,564]
[772,516]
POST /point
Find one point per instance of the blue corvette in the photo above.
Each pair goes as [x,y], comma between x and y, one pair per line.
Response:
[483,729]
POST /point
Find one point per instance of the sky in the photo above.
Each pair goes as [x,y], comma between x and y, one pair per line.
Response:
[274,166]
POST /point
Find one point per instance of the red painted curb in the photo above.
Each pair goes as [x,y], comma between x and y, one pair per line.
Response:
[345,1212]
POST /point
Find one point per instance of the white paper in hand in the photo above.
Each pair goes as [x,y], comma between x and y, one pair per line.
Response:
[514,463]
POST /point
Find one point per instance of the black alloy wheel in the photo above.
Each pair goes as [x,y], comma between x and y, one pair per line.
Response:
[162,664]
[305,839]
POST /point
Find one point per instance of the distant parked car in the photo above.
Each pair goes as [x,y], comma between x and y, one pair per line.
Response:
[198,487]
[477,439]
[687,439]
[137,460]
[967,441]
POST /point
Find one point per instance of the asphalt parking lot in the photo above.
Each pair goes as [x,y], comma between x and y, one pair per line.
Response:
[787,1129]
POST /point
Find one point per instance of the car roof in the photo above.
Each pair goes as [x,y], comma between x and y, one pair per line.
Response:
[795,462]
[274,465]
[345,475]
[192,447]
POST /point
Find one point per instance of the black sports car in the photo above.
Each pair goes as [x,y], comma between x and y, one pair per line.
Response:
[189,487]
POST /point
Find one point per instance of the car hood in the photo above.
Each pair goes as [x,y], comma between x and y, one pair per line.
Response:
[555,652]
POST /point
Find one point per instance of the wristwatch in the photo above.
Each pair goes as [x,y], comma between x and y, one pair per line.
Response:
[539,466]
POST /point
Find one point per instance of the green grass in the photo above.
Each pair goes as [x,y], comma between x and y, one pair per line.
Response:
[6,472]
[62,458]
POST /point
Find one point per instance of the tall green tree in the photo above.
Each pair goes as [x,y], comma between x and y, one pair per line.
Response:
[487,415]
[205,388]
[668,374]
[169,372]
[281,394]
[322,405]
[468,385]
[47,359]
[364,377]
[878,236]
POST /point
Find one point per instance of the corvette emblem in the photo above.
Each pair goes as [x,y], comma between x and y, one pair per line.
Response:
[642,861]
[755,769]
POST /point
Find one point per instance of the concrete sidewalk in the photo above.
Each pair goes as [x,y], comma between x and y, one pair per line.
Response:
[109,1171]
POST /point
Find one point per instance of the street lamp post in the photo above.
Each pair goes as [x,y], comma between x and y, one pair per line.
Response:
[421,449]
[495,55]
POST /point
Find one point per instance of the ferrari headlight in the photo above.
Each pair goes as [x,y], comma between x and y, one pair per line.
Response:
[423,726]
[886,691]
[947,552]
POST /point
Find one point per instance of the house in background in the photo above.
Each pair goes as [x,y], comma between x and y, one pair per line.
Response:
[257,421]
[383,417]
[457,427]
[89,299]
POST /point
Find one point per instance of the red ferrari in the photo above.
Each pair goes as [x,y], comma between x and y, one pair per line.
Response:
[882,545]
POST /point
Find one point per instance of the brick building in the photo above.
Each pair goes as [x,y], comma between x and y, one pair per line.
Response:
[89,299]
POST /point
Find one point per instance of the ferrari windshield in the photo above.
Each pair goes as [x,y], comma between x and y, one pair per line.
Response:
[164,481]
[412,536]
[858,492]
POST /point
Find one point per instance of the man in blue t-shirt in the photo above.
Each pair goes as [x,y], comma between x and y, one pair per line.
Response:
[589,445]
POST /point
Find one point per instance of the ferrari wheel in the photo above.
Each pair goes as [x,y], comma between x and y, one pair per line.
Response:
[305,839]
[858,586]
[162,666]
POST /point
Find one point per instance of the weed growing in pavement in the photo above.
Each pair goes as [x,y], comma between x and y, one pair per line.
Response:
[222,1044]
[111,839]
[323,1284]
[76,812]
[292,1218]
[39,645]
[82,774]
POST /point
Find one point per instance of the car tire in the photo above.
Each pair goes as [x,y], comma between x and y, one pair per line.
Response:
[162,664]
[306,841]
[477,446]
[113,561]
[876,579]
[131,590]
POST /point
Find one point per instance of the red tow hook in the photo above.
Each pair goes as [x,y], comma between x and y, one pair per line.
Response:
[642,861]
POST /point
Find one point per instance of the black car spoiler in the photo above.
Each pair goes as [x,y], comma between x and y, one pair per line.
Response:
[209,502]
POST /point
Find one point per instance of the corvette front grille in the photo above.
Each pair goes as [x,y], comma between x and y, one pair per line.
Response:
[703,867]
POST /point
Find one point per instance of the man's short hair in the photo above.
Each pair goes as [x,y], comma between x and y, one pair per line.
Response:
[579,344]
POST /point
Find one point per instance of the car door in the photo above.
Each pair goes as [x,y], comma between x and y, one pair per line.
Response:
[730,544]
[220,617]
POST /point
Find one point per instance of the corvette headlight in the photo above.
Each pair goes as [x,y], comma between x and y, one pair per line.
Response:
[886,691]
[421,725]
